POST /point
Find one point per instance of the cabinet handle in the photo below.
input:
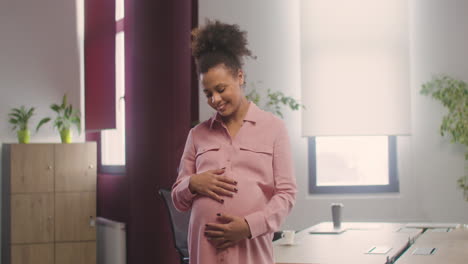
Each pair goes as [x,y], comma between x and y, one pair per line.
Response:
[49,167]
[91,166]
[92,222]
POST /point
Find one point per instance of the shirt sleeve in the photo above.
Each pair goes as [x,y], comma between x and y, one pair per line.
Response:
[272,216]
[182,197]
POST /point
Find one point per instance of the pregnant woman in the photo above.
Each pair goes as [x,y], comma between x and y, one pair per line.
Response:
[236,171]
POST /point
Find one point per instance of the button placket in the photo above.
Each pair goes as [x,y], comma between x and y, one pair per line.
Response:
[229,153]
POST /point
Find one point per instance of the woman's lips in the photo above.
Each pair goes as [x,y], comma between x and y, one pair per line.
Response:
[221,108]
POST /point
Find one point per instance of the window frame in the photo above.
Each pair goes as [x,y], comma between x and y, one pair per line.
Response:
[392,187]
[114,169]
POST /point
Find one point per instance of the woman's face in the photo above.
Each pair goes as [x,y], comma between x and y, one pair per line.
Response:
[223,90]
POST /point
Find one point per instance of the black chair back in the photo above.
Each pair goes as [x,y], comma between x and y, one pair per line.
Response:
[179,224]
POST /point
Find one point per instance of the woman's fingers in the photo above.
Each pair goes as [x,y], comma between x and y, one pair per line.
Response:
[225,244]
[218,171]
[213,184]
[215,227]
[226,186]
[227,180]
[225,218]
[222,191]
[214,233]
[214,196]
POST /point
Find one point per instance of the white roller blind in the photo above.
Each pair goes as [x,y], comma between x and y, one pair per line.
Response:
[355,67]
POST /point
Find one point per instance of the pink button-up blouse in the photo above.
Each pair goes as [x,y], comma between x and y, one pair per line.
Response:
[259,159]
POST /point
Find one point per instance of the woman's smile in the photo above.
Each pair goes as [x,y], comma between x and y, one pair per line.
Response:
[221,107]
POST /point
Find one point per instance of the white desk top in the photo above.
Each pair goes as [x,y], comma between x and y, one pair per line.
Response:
[351,246]
[450,248]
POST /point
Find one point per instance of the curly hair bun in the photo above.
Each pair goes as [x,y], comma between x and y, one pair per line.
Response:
[216,43]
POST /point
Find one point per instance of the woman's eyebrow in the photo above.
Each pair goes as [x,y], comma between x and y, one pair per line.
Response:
[219,85]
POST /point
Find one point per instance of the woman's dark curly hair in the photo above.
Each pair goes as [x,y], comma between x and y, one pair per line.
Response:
[218,43]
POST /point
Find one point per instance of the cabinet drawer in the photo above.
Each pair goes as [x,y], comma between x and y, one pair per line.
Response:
[32,254]
[75,253]
[75,214]
[32,218]
[32,168]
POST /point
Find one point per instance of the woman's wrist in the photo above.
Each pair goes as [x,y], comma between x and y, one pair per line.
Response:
[190,186]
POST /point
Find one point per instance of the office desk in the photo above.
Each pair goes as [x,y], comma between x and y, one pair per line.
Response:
[446,247]
[350,246]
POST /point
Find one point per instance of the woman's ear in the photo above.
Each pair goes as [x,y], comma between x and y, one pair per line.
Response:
[240,77]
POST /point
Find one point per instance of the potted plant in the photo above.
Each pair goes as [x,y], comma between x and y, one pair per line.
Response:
[66,117]
[453,94]
[19,118]
[274,101]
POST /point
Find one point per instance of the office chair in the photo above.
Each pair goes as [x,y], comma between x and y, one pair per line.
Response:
[277,235]
[179,226]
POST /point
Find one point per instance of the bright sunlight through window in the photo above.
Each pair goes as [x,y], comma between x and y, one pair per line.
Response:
[113,141]
[347,161]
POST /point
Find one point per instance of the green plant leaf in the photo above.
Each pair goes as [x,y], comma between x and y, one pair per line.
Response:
[56,108]
[31,112]
[16,110]
[14,115]
[42,122]
[68,111]
[64,101]
[453,95]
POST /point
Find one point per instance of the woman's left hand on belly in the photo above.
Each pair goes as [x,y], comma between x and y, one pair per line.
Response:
[228,232]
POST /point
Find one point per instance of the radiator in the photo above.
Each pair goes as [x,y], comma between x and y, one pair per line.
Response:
[111,242]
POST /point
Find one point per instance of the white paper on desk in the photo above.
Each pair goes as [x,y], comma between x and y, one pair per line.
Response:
[378,250]
[424,251]
[440,230]
[432,225]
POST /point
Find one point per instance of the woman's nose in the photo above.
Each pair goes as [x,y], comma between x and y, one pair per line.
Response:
[215,98]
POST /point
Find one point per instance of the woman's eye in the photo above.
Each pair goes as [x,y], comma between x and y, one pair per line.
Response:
[208,95]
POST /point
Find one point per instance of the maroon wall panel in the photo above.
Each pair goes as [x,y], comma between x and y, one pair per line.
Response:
[99,57]
[158,97]
[194,97]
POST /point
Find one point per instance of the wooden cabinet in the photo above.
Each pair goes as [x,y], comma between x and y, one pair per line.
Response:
[75,214]
[49,203]
[32,168]
[32,218]
[75,253]
[32,253]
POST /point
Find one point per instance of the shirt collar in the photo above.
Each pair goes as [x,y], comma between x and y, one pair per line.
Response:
[253,115]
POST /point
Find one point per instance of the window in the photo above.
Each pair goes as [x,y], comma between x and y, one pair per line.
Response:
[353,164]
[113,141]
[356,91]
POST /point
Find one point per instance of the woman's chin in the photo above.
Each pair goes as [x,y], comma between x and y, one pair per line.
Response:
[224,112]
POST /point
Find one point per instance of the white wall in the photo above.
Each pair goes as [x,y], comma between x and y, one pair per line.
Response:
[439,45]
[428,165]
[39,62]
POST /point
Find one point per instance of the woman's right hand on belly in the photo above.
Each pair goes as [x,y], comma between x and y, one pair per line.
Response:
[213,184]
